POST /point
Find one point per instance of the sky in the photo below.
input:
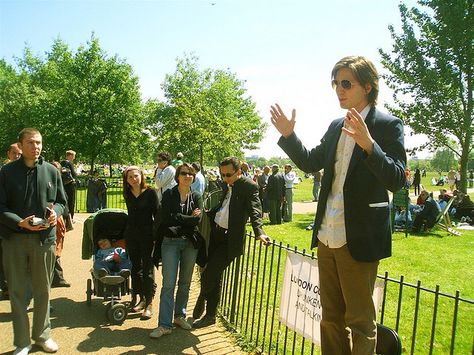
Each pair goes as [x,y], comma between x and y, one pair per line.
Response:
[284,50]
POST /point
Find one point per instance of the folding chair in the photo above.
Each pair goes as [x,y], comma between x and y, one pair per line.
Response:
[444,221]
[388,341]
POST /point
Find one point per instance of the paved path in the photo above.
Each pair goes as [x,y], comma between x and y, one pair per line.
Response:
[78,328]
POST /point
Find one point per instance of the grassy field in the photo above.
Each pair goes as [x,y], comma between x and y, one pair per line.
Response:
[433,259]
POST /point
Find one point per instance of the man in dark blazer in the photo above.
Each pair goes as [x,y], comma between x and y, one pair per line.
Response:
[363,156]
[240,201]
[275,194]
[31,198]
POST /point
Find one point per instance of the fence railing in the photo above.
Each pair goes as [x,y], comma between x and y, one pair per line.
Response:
[92,199]
[427,321]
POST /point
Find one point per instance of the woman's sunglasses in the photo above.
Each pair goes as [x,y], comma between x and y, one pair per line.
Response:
[345,84]
[186,173]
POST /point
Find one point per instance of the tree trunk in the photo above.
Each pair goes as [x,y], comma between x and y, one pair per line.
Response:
[201,157]
[110,169]
[464,162]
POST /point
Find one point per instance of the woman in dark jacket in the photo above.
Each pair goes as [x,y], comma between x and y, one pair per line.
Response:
[180,216]
[142,206]
[417,181]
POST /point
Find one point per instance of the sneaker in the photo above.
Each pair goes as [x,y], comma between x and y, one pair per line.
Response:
[204,322]
[159,332]
[182,323]
[147,312]
[49,346]
[139,307]
[124,273]
[22,351]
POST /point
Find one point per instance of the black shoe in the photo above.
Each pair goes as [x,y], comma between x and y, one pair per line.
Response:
[62,283]
[199,307]
[204,322]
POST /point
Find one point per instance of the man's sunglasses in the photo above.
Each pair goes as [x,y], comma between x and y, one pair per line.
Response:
[228,175]
[186,173]
[345,84]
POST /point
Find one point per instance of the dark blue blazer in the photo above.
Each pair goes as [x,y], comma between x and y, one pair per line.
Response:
[368,178]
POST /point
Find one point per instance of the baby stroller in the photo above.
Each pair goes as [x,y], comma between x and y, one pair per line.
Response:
[110,224]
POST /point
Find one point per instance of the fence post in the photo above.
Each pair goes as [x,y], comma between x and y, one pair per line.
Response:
[234,290]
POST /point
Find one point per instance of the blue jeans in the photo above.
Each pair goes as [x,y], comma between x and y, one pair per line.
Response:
[175,252]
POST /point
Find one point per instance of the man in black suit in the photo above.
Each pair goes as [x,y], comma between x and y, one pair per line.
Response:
[275,194]
[69,176]
[240,201]
[363,156]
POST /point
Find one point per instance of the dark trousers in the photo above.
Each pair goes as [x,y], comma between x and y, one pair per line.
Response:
[70,190]
[142,274]
[211,277]
[3,281]
[58,273]
[274,207]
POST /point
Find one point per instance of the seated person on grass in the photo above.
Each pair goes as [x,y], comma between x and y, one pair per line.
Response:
[111,260]
[464,207]
[426,218]
[401,218]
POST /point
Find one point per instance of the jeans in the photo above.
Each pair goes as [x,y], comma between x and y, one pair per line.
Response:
[175,253]
[316,185]
[111,266]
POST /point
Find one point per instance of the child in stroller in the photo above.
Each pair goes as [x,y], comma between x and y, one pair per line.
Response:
[103,237]
[110,260]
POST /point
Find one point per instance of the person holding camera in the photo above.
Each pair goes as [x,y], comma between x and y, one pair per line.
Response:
[31,199]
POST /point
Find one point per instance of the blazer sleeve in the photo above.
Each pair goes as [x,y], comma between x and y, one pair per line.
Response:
[254,208]
[388,159]
[306,160]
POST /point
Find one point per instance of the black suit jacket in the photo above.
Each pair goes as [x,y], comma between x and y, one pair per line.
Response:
[276,187]
[244,203]
[368,178]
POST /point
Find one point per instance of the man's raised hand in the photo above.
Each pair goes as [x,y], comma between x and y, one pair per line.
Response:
[281,122]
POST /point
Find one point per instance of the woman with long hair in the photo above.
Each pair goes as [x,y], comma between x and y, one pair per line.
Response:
[142,207]
[180,216]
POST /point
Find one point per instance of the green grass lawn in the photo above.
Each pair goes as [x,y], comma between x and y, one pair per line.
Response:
[434,259]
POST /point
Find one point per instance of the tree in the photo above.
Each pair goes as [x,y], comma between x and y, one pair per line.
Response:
[443,160]
[17,103]
[207,114]
[86,101]
[431,69]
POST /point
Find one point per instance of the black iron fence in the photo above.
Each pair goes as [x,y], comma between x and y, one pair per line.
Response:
[95,194]
[427,321]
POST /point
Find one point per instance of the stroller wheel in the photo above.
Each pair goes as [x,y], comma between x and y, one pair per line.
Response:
[117,313]
[89,292]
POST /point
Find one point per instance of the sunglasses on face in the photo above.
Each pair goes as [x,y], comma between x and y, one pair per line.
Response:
[345,84]
[228,175]
[186,173]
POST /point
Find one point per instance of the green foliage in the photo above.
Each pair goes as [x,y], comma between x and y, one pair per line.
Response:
[443,160]
[431,69]
[86,101]
[207,114]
